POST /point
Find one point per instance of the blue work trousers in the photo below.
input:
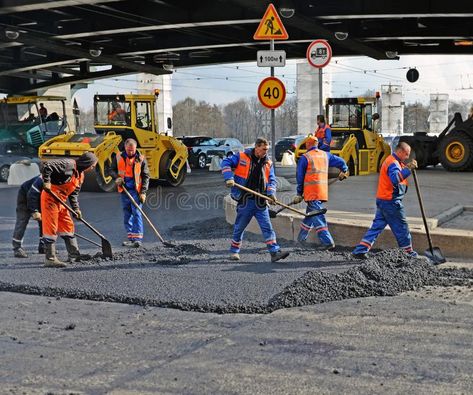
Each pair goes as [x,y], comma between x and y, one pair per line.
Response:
[388,212]
[318,222]
[245,212]
[132,217]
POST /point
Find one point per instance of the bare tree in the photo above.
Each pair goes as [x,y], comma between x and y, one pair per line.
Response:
[86,121]
[416,117]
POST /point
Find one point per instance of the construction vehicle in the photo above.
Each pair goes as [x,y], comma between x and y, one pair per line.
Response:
[453,148]
[117,118]
[353,136]
[21,120]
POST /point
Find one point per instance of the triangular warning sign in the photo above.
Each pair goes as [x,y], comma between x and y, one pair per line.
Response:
[270,26]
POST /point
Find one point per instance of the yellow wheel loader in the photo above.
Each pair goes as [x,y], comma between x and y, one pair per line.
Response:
[117,118]
[354,137]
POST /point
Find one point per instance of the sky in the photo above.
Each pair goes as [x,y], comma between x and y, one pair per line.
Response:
[350,76]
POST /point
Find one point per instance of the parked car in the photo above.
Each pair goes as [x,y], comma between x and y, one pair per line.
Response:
[11,152]
[201,149]
[288,143]
[230,145]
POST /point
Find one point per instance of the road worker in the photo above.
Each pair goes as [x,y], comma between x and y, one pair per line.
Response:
[323,134]
[117,113]
[131,171]
[254,170]
[27,206]
[392,186]
[312,187]
[64,178]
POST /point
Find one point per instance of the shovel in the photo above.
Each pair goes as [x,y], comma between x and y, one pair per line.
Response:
[432,253]
[166,243]
[300,212]
[106,246]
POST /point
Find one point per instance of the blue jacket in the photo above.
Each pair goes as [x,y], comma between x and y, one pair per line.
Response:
[333,161]
[31,192]
[230,163]
[324,144]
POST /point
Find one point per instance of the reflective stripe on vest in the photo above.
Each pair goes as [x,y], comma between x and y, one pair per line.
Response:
[244,165]
[316,176]
[385,185]
[130,168]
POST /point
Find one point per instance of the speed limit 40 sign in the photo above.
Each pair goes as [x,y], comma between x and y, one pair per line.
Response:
[271,92]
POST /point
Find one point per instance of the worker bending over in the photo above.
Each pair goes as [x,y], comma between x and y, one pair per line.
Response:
[254,170]
[27,206]
[312,186]
[131,172]
[63,177]
[392,186]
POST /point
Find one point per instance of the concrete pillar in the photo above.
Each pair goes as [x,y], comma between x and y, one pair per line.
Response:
[392,110]
[438,113]
[307,97]
[147,83]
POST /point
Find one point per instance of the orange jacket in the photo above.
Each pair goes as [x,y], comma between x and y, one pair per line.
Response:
[392,184]
[316,176]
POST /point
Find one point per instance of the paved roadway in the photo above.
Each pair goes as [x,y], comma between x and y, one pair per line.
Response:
[418,343]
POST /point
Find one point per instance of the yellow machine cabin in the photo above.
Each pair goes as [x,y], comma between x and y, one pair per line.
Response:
[118,117]
[354,137]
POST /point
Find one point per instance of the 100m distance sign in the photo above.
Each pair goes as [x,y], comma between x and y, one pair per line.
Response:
[271,92]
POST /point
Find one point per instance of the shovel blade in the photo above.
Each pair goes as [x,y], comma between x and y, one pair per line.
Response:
[435,255]
[316,212]
[106,249]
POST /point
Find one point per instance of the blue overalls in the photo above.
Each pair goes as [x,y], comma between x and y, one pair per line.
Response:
[249,207]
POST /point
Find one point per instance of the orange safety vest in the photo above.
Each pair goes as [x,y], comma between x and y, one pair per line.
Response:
[130,168]
[385,185]
[316,176]
[243,168]
[320,133]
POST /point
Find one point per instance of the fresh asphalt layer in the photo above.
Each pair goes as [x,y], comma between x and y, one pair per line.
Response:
[194,276]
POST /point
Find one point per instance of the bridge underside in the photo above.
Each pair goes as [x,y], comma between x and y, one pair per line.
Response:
[50,43]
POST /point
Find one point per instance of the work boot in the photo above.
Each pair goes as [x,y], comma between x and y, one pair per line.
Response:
[128,243]
[73,252]
[325,247]
[360,255]
[278,255]
[137,244]
[41,248]
[234,257]
[51,260]
[20,253]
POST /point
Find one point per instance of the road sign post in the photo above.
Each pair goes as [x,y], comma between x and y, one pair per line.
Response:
[271,91]
[318,55]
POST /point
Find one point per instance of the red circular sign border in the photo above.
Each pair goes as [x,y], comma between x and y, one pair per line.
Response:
[283,89]
[307,54]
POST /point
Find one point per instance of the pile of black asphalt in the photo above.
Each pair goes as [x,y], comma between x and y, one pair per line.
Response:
[196,274]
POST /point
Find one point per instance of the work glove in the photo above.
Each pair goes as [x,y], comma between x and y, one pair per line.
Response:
[412,164]
[47,186]
[297,199]
[143,198]
[119,181]
[36,216]
[272,199]
[230,183]
[343,175]
[78,214]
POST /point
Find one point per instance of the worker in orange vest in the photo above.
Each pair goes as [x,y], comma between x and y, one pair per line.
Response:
[392,186]
[63,177]
[323,134]
[254,170]
[312,186]
[131,171]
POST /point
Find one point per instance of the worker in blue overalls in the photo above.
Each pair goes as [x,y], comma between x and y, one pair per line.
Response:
[392,186]
[131,171]
[254,170]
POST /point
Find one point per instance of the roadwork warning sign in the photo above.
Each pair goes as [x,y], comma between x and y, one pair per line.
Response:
[270,26]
